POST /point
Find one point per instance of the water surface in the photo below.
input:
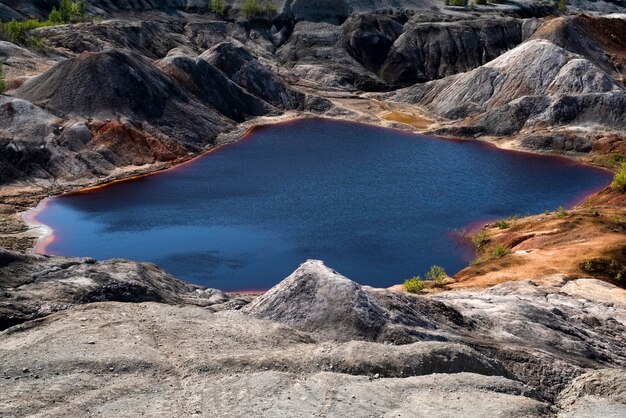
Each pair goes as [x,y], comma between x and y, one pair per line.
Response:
[378,205]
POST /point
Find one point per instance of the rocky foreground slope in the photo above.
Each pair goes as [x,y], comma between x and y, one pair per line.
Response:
[316,344]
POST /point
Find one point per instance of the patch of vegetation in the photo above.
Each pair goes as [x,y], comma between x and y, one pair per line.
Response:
[619,181]
[437,275]
[414,285]
[217,6]
[250,8]
[607,268]
[500,251]
[616,223]
[254,8]
[561,5]
[18,32]
[480,239]
[68,12]
[502,224]
[610,161]
[561,212]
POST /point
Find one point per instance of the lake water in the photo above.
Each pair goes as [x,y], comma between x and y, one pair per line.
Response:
[378,205]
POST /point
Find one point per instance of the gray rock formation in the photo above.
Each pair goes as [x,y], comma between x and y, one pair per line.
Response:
[515,345]
[112,83]
[36,286]
[152,39]
[600,393]
[317,299]
[246,71]
[428,51]
[158,359]
[319,53]
[535,84]
[209,85]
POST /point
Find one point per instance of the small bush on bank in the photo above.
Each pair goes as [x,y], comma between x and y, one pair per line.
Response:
[561,212]
[437,275]
[480,239]
[414,285]
[619,181]
[502,224]
[500,251]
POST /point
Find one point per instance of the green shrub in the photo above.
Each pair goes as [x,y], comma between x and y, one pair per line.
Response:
[618,277]
[217,6]
[502,224]
[500,251]
[17,31]
[68,12]
[561,212]
[55,17]
[414,285]
[480,239]
[619,181]
[481,2]
[437,275]
[250,8]
[561,5]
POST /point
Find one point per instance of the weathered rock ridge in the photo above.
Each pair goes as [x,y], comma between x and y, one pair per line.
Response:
[524,91]
[36,286]
[312,344]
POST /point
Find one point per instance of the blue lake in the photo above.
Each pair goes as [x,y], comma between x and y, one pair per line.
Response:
[378,205]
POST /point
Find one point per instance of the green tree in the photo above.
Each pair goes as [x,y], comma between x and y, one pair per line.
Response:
[68,12]
[65,10]
[217,6]
[55,16]
[77,11]
[437,274]
[561,5]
